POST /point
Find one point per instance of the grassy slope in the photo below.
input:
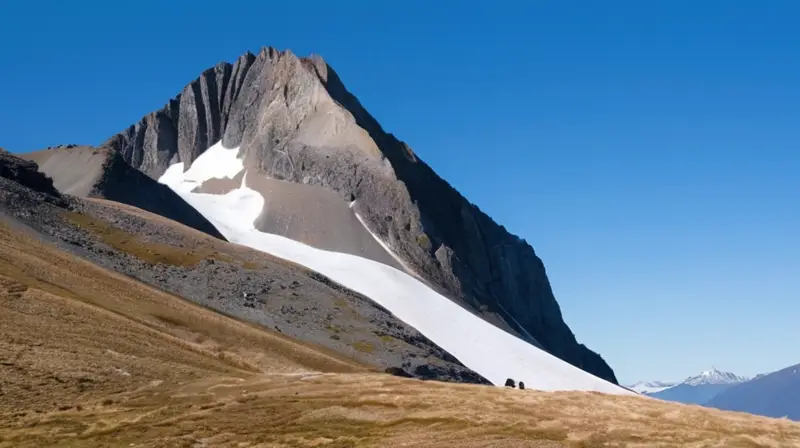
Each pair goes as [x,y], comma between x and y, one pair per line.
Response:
[89,357]
[201,246]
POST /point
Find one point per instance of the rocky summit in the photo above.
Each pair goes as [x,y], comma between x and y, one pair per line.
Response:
[305,135]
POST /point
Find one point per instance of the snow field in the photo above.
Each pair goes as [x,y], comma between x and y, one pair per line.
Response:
[479,345]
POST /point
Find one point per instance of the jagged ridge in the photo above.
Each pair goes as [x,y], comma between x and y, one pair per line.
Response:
[290,115]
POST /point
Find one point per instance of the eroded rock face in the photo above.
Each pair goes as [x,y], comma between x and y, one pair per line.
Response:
[294,120]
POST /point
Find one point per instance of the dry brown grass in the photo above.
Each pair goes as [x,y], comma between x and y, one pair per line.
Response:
[364,347]
[150,252]
[91,358]
[200,244]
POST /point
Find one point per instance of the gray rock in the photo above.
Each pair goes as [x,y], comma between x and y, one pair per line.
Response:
[85,171]
[25,173]
[293,119]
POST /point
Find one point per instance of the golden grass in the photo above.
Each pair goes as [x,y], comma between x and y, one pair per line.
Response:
[363,347]
[251,265]
[43,273]
[244,256]
[150,252]
[92,358]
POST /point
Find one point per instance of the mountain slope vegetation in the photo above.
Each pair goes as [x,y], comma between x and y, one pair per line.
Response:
[89,357]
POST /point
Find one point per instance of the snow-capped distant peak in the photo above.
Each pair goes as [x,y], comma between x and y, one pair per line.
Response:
[650,387]
[714,376]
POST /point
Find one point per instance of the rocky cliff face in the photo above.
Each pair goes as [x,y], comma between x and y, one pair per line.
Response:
[293,119]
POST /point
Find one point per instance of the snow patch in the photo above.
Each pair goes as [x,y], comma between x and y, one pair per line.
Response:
[479,345]
[217,162]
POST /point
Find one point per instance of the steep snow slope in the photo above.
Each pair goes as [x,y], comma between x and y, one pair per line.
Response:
[480,346]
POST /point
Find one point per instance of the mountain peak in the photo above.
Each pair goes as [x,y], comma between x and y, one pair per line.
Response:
[714,376]
[291,119]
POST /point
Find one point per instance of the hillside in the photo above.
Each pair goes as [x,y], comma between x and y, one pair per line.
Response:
[404,324]
[292,119]
[89,357]
[489,351]
[231,279]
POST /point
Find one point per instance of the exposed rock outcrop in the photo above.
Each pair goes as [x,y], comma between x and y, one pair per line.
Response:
[85,171]
[293,119]
[25,173]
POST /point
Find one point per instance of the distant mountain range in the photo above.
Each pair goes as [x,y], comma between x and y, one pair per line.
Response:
[696,389]
[773,395]
[650,387]
[700,388]
[714,376]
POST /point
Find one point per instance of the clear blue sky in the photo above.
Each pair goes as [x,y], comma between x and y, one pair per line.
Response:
[650,151]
